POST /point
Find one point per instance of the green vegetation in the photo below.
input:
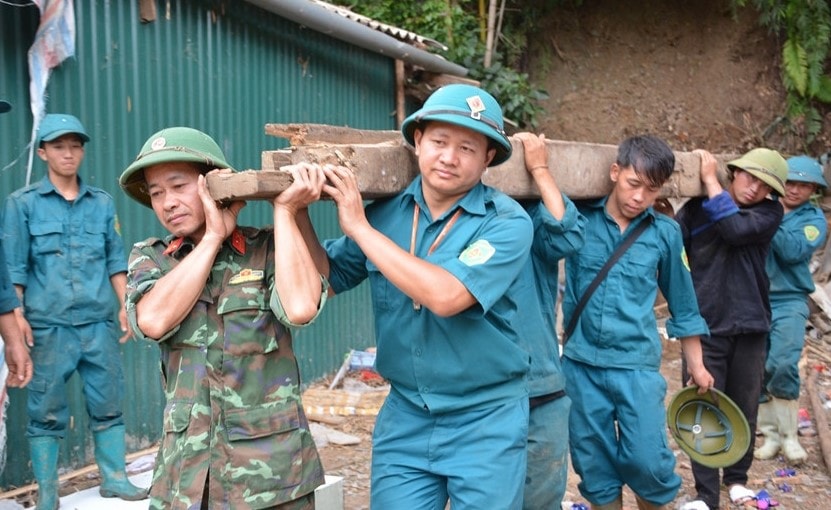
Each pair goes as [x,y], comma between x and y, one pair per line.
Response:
[462,25]
[806,26]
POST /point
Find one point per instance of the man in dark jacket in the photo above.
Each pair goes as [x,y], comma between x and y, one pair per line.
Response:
[727,235]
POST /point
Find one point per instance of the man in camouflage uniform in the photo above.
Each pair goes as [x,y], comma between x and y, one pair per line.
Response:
[235,435]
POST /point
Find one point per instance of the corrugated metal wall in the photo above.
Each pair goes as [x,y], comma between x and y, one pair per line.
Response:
[226,68]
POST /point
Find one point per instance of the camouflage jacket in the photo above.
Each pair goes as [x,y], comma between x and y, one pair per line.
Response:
[233,418]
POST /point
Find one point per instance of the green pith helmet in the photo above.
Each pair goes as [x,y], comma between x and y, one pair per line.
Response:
[466,106]
[767,165]
[166,146]
[806,169]
[710,428]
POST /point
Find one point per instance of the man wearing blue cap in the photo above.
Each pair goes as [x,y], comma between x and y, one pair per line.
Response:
[65,253]
[802,231]
[444,260]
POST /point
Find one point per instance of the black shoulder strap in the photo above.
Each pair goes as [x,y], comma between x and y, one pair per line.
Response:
[619,251]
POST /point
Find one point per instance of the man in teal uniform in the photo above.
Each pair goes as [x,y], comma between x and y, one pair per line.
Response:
[235,434]
[558,233]
[612,359]
[443,259]
[802,231]
[66,259]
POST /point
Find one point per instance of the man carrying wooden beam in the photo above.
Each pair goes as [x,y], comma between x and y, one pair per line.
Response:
[611,347]
[558,233]
[802,231]
[443,259]
[235,435]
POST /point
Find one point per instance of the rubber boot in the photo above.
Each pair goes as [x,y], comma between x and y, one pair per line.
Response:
[109,454]
[646,505]
[613,505]
[787,412]
[44,452]
[767,422]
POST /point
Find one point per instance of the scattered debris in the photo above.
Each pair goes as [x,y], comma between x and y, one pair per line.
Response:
[323,435]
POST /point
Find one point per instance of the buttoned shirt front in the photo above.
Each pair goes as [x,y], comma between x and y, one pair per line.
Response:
[472,359]
[800,234]
[233,418]
[63,253]
[617,328]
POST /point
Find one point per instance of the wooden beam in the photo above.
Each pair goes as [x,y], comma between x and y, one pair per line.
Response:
[385,165]
[312,134]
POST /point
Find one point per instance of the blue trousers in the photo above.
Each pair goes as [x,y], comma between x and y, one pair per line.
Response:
[59,351]
[545,479]
[475,458]
[785,343]
[618,433]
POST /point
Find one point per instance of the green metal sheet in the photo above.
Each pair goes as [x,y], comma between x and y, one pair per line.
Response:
[227,68]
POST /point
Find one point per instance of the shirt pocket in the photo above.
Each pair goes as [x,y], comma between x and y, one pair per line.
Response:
[177,416]
[385,295]
[249,325]
[639,271]
[177,447]
[47,237]
[267,443]
[95,234]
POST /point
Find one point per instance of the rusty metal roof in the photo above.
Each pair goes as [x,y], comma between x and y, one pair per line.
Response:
[398,33]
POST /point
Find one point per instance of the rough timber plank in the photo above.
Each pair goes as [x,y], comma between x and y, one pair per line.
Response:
[386,166]
[305,134]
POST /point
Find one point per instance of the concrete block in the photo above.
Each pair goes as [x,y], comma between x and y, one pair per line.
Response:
[329,496]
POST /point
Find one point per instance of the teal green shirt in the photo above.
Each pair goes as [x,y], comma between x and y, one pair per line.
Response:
[537,319]
[617,328]
[63,253]
[801,232]
[470,360]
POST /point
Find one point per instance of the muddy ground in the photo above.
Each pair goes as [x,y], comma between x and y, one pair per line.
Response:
[810,489]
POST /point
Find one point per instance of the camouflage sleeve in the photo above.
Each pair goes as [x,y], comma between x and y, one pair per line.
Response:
[144,270]
[280,313]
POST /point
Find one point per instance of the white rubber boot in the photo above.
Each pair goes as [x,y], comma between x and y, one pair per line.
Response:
[787,413]
[767,423]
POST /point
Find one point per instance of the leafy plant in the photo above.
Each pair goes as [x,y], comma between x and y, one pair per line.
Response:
[806,25]
[458,24]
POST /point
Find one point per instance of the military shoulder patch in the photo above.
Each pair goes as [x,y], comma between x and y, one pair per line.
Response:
[477,253]
[811,232]
[684,259]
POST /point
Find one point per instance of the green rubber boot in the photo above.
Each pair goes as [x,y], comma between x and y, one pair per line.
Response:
[109,454]
[44,452]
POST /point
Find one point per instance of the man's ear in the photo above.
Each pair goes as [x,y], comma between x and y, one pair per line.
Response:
[489,157]
[417,135]
[42,153]
[614,172]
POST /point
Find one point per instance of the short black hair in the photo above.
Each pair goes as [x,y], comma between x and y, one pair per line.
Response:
[650,157]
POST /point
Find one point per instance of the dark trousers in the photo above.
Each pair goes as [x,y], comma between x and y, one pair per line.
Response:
[738,365]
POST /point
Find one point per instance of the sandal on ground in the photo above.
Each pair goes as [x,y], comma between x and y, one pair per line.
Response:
[742,496]
[695,505]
